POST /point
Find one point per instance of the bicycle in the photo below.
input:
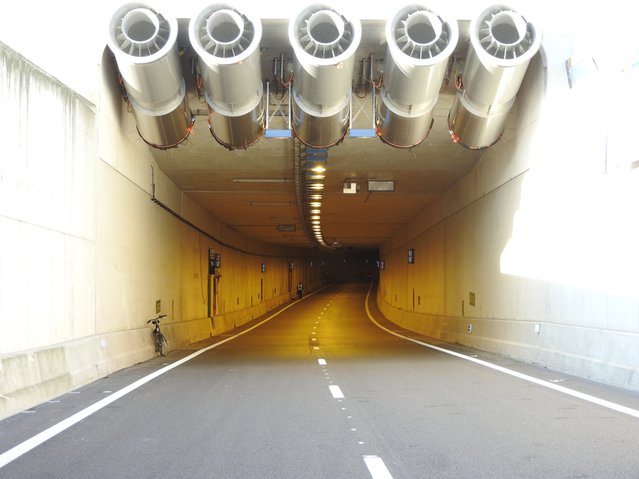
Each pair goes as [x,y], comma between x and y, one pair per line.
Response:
[161,344]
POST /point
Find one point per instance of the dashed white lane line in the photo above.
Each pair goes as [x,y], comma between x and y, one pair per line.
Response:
[377,468]
[336,391]
[321,362]
[540,382]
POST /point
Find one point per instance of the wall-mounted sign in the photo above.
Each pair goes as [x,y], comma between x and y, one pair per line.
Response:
[411,256]
[263,267]
[211,261]
[215,260]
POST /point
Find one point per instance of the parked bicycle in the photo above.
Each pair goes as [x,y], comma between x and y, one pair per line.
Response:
[161,344]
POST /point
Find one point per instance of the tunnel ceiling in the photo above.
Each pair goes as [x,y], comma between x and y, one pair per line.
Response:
[253,191]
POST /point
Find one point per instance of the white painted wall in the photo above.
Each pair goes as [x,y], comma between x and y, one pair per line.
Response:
[542,233]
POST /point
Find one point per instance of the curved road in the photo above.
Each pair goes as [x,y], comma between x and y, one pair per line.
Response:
[321,391]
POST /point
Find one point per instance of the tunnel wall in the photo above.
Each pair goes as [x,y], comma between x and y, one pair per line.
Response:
[87,257]
[534,253]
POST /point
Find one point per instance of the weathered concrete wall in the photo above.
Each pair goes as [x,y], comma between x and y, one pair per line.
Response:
[86,257]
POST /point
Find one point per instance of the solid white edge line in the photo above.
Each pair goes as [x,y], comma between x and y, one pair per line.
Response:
[541,382]
[336,391]
[377,468]
[24,447]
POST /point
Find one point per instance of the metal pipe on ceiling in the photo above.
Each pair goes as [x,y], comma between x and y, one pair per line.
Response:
[324,43]
[144,43]
[502,44]
[419,43]
[227,42]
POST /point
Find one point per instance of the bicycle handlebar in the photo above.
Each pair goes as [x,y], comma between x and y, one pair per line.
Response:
[156,319]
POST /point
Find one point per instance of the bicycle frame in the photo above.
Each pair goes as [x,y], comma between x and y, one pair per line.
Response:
[158,337]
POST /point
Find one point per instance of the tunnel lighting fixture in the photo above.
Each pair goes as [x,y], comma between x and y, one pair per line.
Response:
[350,188]
[269,203]
[262,180]
[313,173]
[381,185]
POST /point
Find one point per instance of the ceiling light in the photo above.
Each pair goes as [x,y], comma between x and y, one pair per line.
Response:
[269,203]
[350,188]
[381,185]
[318,169]
[316,186]
[262,180]
[315,204]
[316,212]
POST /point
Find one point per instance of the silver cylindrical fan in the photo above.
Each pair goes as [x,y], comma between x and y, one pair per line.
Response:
[419,45]
[227,42]
[502,44]
[144,43]
[324,43]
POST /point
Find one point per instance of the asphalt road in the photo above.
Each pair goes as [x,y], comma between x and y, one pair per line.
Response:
[320,391]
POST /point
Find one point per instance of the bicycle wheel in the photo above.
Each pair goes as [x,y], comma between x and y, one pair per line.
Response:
[163,345]
[157,341]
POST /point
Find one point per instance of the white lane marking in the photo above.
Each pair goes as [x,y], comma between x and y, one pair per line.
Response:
[377,468]
[336,391]
[24,447]
[540,382]
[321,362]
